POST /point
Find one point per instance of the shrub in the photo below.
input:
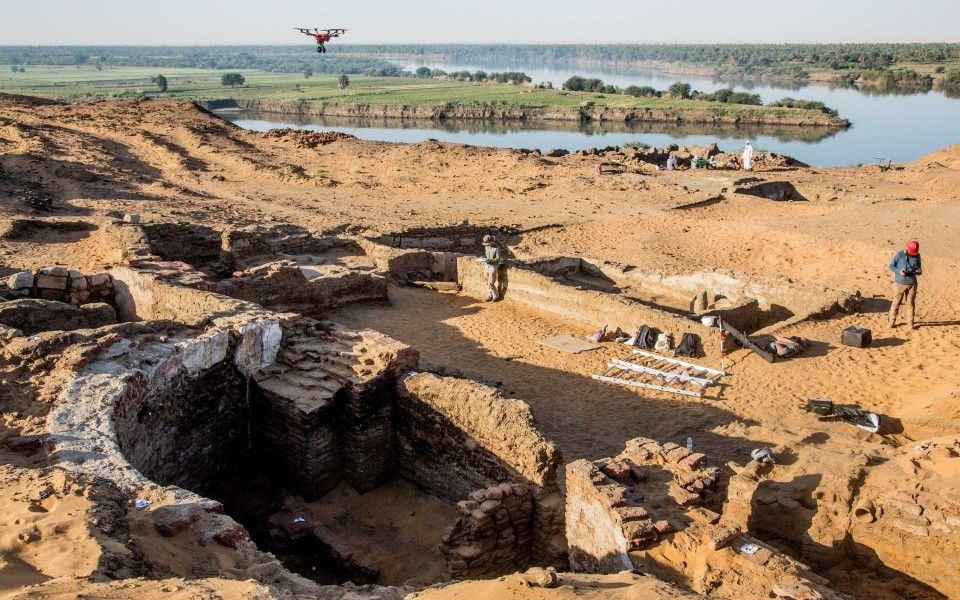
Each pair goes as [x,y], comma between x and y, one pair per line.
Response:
[805,104]
[232,79]
[680,90]
[161,82]
[343,81]
[423,72]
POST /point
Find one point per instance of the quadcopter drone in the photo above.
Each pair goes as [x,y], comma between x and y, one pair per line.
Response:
[322,36]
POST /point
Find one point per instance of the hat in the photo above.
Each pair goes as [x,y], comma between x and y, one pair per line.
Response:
[487,240]
[913,247]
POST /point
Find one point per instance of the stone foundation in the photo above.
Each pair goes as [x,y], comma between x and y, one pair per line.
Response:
[641,509]
[493,535]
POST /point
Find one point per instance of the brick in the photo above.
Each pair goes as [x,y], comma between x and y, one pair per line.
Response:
[909,527]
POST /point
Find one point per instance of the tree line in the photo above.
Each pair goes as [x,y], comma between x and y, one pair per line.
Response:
[274,59]
[742,57]
[684,91]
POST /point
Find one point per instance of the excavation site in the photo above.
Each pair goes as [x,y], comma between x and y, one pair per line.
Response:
[301,365]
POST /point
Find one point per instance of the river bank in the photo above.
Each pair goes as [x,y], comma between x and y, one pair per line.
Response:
[722,114]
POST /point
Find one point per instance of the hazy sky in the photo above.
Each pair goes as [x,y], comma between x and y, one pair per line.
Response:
[268,21]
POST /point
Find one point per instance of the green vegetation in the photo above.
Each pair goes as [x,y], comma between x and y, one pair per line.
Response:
[787,61]
[677,90]
[160,81]
[232,79]
[274,59]
[200,84]
[343,81]
[950,83]
[307,73]
[680,90]
[804,104]
[898,79]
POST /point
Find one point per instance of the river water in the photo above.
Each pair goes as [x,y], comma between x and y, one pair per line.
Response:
[897,127]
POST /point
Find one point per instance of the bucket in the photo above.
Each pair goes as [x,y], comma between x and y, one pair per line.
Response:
[709,321]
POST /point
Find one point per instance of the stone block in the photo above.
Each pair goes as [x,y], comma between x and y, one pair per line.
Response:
[52,282]
[55,271]
[20,281]
[78,283]
[98,279]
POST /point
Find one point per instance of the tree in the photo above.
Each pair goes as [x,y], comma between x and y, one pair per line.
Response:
[574,84]
[423,72]
[80,59]
[680,90]
[14,68]
[98,65]
[232,79]
[343,81]
[161,82]
[307,73]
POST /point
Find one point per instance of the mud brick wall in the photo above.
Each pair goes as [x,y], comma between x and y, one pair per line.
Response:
[188,432]
[456,436]
[248,244]
[142,296]
[493,533]
[284,286]
[549,546]
[369,437]
[193,244]
[531,289]
[595,536]
[304,445]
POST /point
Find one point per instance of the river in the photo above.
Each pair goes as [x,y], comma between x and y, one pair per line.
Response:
[898,127]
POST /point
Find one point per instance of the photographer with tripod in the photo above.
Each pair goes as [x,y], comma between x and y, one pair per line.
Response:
[906,269]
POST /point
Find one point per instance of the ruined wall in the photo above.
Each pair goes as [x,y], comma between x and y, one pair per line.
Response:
[456,436]
[283,286]
[142,296]
[907,515]
[404,265]
[187,432]
[249,244]
[460,439]
[639,510]
[193,244]
[304,443]
[326,406]
[541,292]
[60,284]
[493,534]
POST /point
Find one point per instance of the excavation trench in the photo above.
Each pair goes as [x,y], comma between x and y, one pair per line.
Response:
[286,480]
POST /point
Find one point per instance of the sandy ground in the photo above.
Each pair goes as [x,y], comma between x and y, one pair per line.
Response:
[172,162]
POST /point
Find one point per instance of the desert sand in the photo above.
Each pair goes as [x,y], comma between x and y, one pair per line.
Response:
[171,161]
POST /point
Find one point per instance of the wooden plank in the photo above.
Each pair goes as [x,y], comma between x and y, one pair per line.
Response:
[570,344]
[649,386]
[747,342]
[680,362]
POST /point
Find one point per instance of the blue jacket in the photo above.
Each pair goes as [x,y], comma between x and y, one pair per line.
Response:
[902,260]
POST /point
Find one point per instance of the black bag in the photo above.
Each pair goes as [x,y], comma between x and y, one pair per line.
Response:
[689,346]
[647,337]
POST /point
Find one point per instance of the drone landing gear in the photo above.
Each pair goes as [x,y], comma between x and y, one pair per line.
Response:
[321,49]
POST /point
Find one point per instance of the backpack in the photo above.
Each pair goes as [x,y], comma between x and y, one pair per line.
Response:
[646,337]
[689,345]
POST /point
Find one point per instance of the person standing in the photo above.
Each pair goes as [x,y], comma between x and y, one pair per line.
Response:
[493,257]
[748,157]
[906,268]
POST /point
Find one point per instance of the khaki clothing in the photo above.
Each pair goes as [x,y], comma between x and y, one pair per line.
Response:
[903,294]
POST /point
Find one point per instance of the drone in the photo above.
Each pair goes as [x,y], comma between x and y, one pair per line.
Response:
[322,36]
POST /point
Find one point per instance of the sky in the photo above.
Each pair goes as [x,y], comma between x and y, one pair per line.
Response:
[175,22]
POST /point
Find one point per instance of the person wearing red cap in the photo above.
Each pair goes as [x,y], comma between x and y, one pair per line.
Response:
[906,269]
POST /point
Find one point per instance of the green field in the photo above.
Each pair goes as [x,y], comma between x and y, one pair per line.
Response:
[200,84]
